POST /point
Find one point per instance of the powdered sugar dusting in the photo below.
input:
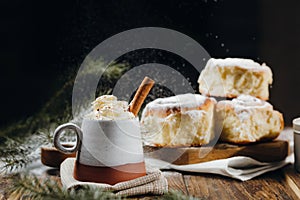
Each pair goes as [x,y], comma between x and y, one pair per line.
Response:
[183,100]
[244,105]
[195,114]
[236,62]
[247,100]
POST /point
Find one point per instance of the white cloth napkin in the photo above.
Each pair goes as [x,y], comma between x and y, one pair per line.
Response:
[152,183]
[239,167]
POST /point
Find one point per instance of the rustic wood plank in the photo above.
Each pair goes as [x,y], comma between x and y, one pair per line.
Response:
[211,187]
[292,178]
[175,181]
[272,185]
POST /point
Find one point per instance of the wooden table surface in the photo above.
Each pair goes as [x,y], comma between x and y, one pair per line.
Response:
[280,184]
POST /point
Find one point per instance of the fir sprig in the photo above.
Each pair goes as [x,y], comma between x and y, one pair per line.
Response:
[19,152]
[32,187]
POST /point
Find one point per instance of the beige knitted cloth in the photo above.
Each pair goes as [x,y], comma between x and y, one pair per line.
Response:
[153,183]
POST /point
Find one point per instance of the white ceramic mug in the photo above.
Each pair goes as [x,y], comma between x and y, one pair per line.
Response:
[296,127]
[108,151]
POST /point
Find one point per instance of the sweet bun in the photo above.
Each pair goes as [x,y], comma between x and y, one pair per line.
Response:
[247,119]
[232,77]
[182,120]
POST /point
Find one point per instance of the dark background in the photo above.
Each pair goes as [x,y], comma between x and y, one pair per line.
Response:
[43,42]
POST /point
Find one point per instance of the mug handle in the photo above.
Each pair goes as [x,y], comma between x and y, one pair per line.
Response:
[59,130]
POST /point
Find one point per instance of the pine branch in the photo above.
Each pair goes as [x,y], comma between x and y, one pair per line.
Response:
[19,152]
[32,187]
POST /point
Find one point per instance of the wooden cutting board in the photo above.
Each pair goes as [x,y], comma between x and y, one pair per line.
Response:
[265,152]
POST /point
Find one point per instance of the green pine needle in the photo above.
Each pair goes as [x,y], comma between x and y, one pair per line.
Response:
[17,153]
[32,187]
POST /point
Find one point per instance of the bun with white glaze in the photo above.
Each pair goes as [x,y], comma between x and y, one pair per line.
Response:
[232,77]
[182,120]
[247,119]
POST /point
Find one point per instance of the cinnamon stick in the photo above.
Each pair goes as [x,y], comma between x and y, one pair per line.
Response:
[141,95]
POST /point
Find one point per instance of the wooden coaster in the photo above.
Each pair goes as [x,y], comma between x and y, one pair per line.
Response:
[51,157]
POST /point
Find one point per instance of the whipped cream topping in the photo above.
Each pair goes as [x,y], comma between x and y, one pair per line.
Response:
[107,107]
